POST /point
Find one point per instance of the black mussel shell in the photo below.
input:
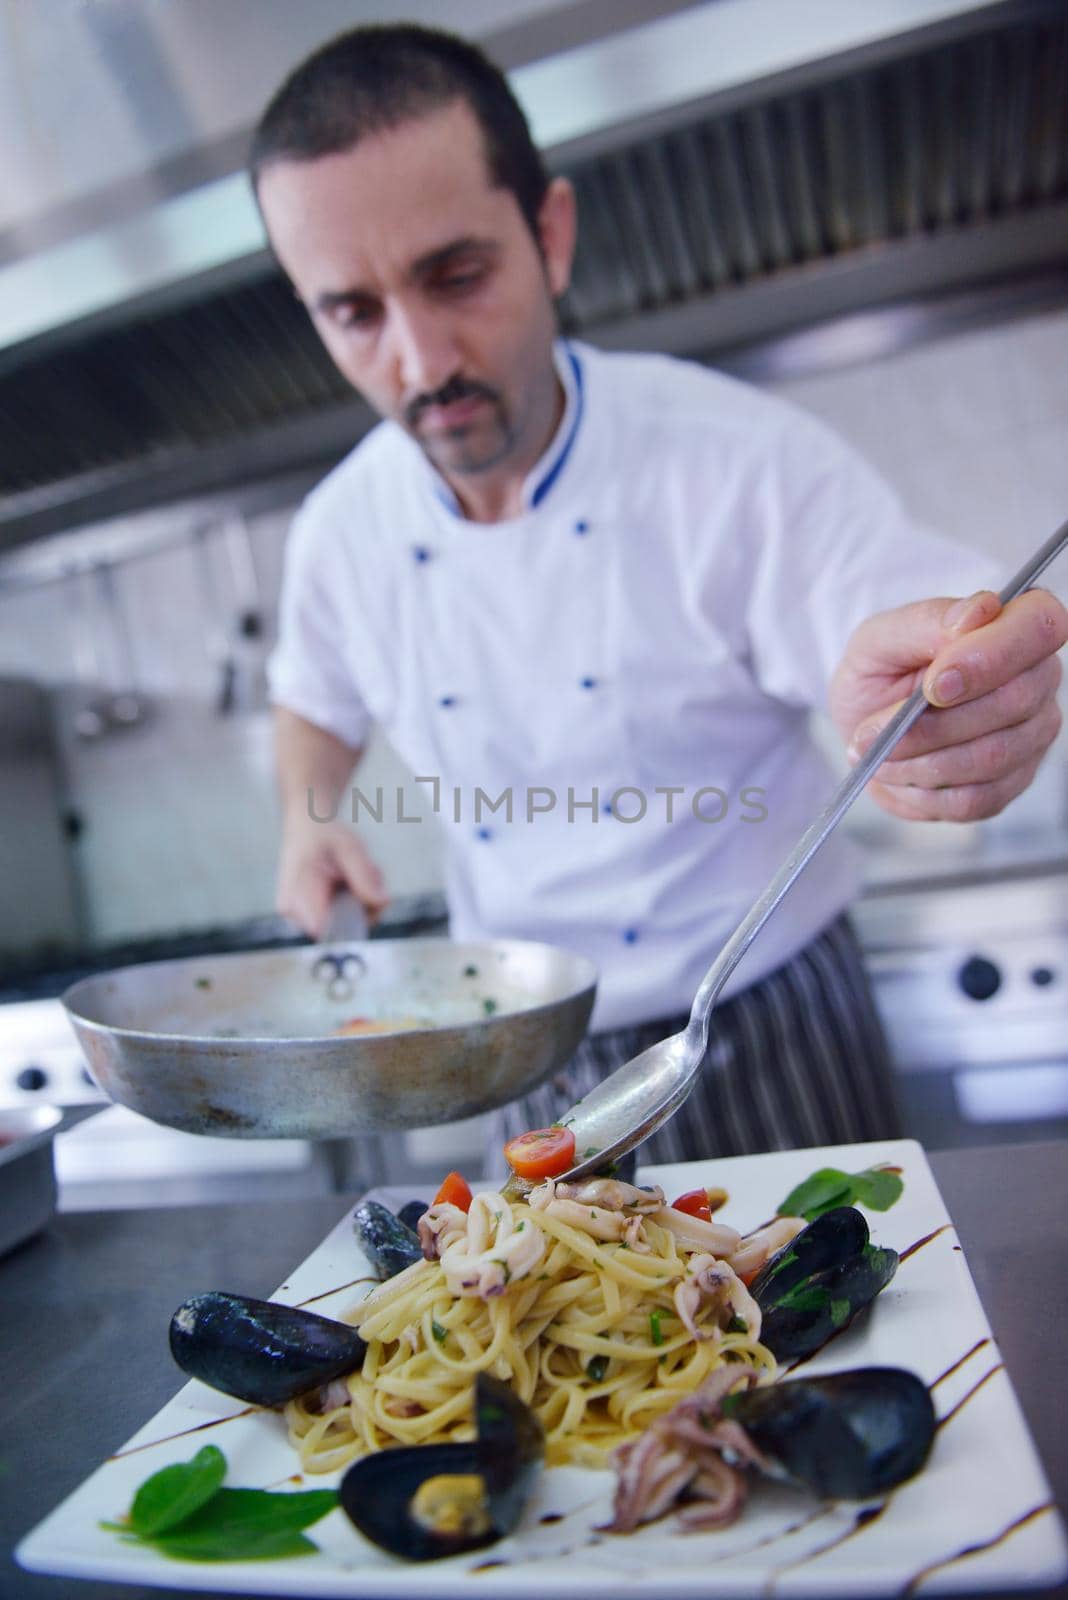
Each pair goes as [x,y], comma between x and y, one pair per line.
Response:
[377,1491]
[410,1213]
[814,1287]
[835,1237]
[511,1445]
[259,1351]
[388,1243]
[846,1436]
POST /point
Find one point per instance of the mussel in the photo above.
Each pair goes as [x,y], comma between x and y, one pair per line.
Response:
[846,1436]
[259,1351]
[427,1501]
[389,1244]
[814,1286]
[410,1212]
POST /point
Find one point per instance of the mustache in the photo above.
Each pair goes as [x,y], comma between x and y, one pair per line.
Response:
[457,388]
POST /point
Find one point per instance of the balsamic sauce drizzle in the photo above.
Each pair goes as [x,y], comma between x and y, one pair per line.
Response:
[917,1244]
[967,1356]
[947,1227]
[325,1295]
[216,1422]
[825,1509]
[977,1549]
[963,1401]
[863,1519]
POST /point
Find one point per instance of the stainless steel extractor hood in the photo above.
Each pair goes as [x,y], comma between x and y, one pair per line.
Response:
[744,168]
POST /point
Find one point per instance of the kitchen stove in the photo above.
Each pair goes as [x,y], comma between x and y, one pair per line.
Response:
[970,972]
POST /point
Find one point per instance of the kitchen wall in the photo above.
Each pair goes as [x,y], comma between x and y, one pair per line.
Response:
[176,817]
[972,431]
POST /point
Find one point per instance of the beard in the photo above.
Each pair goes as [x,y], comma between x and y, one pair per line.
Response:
[476,444]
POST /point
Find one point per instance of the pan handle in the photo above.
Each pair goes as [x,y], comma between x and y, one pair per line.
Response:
[347,920]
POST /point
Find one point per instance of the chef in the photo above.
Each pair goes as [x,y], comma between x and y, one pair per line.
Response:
[593,599]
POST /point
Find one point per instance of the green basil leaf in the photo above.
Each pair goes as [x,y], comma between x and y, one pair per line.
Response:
[878,1188]
[266,1508]
[183,1512]
[248,1524]
[821,1192]
[596,1367]
[875,1187]
[174,1493]
[249,1544]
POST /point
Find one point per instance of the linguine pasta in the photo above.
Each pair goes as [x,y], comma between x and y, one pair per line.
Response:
[594,1334]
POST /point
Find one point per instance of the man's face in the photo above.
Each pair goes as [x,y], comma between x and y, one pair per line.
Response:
[426,285]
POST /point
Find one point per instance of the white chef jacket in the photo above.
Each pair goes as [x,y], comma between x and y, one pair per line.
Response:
[663,615]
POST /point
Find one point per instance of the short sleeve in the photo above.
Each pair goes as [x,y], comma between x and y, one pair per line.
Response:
[834,546]
[309,671]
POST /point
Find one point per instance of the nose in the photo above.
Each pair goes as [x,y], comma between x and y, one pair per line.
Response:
[423,348]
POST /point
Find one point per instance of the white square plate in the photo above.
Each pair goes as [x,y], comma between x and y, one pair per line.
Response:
[979,1516]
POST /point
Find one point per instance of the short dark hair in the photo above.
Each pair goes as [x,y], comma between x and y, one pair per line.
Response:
[373,78]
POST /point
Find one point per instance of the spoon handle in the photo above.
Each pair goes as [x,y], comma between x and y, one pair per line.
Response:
[833,812]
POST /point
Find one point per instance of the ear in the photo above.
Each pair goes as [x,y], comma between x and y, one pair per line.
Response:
[557,219]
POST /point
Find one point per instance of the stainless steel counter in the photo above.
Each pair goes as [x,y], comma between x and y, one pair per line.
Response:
[86,1304]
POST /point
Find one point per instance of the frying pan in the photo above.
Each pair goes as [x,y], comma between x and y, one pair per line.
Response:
[243,1046]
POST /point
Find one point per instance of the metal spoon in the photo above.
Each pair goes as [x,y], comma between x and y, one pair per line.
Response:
[641,1095]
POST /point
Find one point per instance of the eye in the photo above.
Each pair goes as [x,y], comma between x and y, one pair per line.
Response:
[353,314]
[458,282]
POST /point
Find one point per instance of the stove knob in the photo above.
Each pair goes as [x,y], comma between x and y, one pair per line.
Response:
[979,978]
[32,1078]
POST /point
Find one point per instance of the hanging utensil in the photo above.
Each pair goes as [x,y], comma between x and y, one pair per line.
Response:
[216,635]
[124,707]
[90,718]
[247,628]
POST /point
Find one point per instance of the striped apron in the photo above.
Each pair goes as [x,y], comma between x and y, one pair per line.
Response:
[797,1059]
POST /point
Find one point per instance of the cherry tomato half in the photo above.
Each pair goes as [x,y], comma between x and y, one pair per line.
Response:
[541,1153]
[455,1191]
[695,1204]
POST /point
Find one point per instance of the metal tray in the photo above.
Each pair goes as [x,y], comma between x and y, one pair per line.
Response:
[27,1172]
